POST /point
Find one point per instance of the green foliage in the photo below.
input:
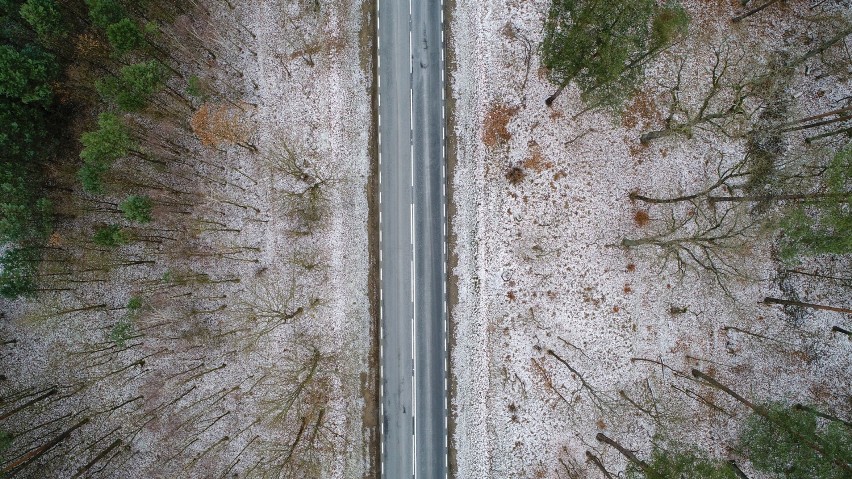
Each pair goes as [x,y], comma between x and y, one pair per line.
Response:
[18,273]
[135,85]
[101,148]
[124,36]
[670,23]
[23,132]
[45,18]
[24,216]
[26,74]
[121,332]
[105,12]
[134,304]
[111,236]
[602,46]
[197,87]
[137,208]
[91,177]
[825,226]
[108,143]
[686,464]
[5,441]
[773,449]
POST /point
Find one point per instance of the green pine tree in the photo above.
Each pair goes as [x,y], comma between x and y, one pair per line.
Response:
[137,208]
[781,444]
[603,46]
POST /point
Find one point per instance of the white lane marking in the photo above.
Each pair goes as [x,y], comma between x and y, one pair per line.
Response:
[444,240]
[381,266]
[413,299]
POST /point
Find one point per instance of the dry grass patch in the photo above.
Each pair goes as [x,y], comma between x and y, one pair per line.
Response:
[496,125]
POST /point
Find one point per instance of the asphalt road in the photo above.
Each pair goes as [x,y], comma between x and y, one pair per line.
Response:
[412,237]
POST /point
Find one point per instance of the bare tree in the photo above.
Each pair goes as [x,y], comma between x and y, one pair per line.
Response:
[723,106]
[712,239]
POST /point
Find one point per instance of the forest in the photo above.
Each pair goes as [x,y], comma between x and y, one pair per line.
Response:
[184,249]
[653,239]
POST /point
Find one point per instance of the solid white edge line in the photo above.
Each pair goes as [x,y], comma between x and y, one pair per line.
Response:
[381,431]
[413,299]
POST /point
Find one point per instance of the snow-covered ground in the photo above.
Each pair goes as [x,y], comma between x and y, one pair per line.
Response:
[540,267]
[213,385]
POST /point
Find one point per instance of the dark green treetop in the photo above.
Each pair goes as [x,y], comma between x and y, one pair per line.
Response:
[26,74]
[111,236]
[18,272]
[125,36]
[782,444]
[137,208]
[45,18]
[136,84]
[105,12]
[823,226]
[602,46]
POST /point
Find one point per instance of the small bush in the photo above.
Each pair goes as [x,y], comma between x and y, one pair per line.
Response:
[137,208]
[515,175]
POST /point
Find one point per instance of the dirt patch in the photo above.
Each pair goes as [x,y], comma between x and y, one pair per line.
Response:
[496,124]
[642,111]
[451,259]
[370,383]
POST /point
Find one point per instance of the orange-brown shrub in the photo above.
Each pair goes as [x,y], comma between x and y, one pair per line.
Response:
[217,124]
[641,218]
[496,122]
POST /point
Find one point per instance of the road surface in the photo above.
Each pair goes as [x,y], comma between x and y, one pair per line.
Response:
[412,239]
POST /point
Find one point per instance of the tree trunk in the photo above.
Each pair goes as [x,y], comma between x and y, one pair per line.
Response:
[29,403]
[802,407]
[30,456]
[787,302]
[657,134]
[629,243]
[838,329]
[820,48]
[788,197]
[762,412]
[840,131]
[597,462]
[737,471]
[97,458]
[549,101]
[817,117]
[751,12]
[651,473]
[808,126]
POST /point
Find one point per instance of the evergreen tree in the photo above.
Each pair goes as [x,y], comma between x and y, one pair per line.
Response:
[45,18]
[108,143]
[24,217]
[137,208]
[26,74]
[111,236]
[23,132]
[5,441]
[91,177]
[18,273]
[602,46]
[135,85]
[676,464]
[105,12]
[125,36]
[825,226]
[780,444]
